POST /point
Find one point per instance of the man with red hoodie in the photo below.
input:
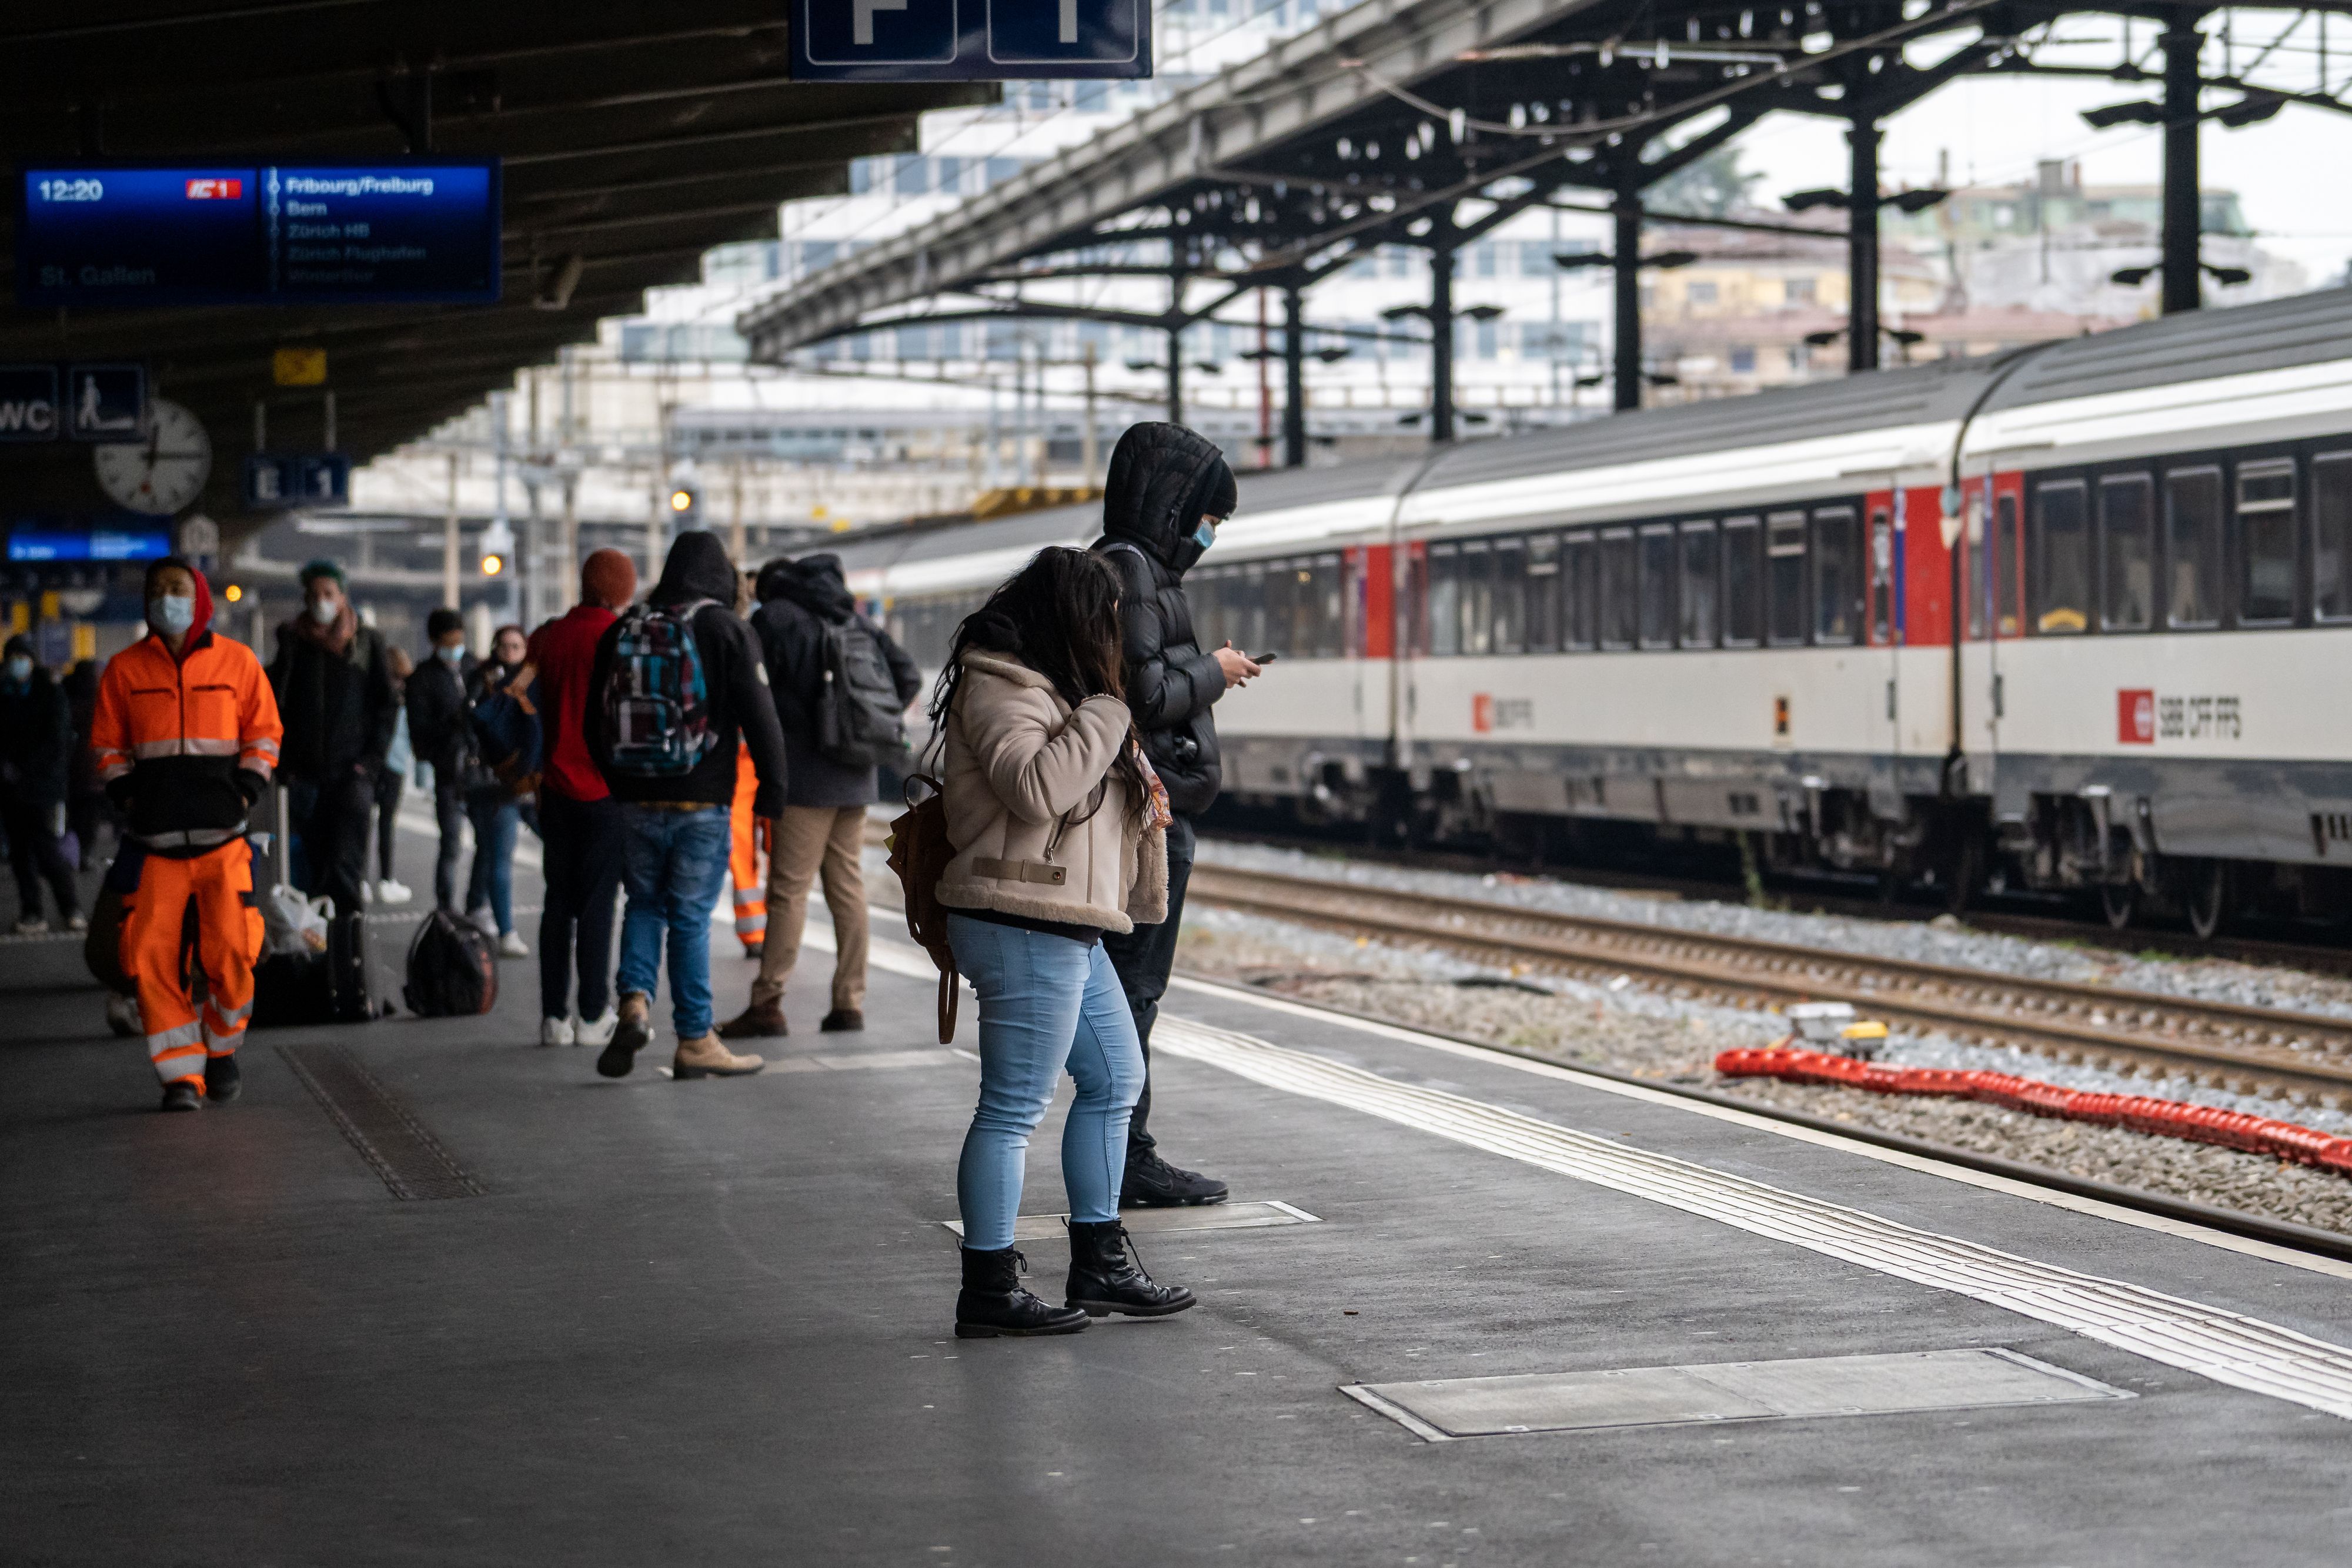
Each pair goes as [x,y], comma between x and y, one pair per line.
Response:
[578,821]
[184,738]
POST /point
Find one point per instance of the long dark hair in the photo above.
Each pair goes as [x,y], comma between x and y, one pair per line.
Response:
[1058,615]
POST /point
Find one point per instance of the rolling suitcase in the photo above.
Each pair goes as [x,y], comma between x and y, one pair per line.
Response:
[306,976]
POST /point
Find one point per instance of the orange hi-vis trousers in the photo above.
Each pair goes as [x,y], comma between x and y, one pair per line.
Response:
[228,939]
[743,856]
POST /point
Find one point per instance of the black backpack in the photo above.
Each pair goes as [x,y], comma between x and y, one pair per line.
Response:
[453,970]
[860,722]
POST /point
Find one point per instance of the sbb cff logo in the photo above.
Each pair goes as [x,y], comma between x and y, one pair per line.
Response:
[216,190]
[2135,718]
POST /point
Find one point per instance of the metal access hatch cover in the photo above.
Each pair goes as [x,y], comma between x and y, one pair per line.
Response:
[1455,1407]
[1253,1214]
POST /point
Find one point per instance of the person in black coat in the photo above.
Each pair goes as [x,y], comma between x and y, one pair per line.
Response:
[36,743]
[1166,491]
[441,737]
[340,704]
[823,825]
[675,827]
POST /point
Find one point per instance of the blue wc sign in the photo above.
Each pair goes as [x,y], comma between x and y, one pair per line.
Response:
[969,40]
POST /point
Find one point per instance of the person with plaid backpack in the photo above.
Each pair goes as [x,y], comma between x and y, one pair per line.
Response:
[677,681]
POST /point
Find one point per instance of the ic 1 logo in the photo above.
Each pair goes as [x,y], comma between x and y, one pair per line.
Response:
[2136,717]
[1488,712]
[216,190]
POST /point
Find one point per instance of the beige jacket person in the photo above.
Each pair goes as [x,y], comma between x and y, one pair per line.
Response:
[1022,768]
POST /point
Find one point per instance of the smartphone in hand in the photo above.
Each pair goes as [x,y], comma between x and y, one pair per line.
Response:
[1262,658]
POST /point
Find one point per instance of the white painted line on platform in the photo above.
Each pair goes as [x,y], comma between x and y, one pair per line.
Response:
[2188,1230]
[2223,1346]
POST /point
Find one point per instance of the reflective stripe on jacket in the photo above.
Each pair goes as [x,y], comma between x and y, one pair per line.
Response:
[178,732]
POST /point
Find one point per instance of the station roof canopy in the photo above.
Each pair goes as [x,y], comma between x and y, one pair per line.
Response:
[1423,123]
[635,134]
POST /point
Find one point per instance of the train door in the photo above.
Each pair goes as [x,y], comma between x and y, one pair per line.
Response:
[1882,628]
[1993,568]
[1409,620]
[1371,641]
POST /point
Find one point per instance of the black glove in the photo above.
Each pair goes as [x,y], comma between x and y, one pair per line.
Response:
[250,785]
[118,791]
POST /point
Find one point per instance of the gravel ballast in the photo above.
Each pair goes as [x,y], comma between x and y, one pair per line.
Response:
[1623,1029]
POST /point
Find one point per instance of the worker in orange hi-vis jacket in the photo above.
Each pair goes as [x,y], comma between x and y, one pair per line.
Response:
[184,739]
[744,860]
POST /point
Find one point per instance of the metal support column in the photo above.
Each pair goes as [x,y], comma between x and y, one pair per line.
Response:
[1293,378]
[1441,343]
[2183,287]
[1862,247]
[1627,268]
[1175,375]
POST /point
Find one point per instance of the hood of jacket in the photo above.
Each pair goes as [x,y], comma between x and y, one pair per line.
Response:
[697,568]
[815,582]
[1005,666]
[1164,479]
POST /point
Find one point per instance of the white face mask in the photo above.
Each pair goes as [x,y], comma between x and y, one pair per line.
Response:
[172,613]
[1206,534]
[451,652]
[325,611]
[20,670]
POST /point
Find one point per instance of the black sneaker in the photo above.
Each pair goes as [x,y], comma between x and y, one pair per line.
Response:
[1153,1183]
[223,1081]
[841,1020]
[180,1094]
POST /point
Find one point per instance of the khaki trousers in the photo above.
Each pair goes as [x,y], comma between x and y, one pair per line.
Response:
[809,840]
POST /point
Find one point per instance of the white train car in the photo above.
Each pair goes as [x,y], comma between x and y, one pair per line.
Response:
[2074,617]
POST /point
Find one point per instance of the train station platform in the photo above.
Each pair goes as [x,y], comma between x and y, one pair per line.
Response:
[639,1320]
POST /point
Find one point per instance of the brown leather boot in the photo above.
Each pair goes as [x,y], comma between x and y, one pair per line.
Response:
[706,1057]
[761,1021]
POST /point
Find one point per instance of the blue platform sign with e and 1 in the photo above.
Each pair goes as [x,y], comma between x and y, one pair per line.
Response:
[92,237]
[969,40]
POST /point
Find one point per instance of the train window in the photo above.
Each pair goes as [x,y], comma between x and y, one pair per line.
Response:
[2267,536]
[1784,579]
[1329,587]
[1657,565]
[2008,568]
[1543,594]
[1416,601]
[2128,552]
[1246,620]
[1510,596]
[1882,576]
[1280,613]
[1478,597]
[1617,602]
[2331,536]
[1444,600]
[2192,546]
[2062,559]
[1743,582]
[1698,604]
[1579,581]
[1837,576]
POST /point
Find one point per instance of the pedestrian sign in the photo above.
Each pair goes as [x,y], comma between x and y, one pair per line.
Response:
[106,403]
[969,40]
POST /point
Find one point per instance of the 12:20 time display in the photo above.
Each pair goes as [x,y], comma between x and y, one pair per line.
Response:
[80,190]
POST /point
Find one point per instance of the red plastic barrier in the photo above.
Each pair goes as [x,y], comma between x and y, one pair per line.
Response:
[2138,1112]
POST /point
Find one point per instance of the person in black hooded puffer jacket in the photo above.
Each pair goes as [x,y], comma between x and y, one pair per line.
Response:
[1166,491]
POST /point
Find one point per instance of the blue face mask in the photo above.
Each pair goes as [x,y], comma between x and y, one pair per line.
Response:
[20,670]
[172,613]
[452,652]
[1205,535]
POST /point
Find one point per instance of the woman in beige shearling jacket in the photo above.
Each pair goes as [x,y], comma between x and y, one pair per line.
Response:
[1060,834]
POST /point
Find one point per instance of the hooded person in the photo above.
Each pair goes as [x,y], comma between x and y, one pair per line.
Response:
[36,770]
[675,822]
[805,606]
[185,737]
[341,704]
[1168,490]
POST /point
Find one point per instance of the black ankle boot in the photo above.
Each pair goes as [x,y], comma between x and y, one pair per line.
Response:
[1107,1277]
[993,1303]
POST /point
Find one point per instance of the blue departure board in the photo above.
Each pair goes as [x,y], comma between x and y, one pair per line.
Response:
[275,235]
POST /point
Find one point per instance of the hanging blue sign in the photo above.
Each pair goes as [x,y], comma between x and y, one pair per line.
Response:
[28,402]
[95,544]
[269,235]
[276,480]
[969,40]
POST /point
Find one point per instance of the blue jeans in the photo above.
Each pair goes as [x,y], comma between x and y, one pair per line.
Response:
[672,863]
[1045,1002]
[491,881]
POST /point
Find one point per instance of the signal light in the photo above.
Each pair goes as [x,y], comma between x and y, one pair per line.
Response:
[232,593]
[492,565]
[681,500]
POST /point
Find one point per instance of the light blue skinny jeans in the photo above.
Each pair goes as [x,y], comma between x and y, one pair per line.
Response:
[1045,1003]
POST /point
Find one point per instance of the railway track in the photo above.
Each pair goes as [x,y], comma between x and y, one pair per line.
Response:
[2301,1056]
